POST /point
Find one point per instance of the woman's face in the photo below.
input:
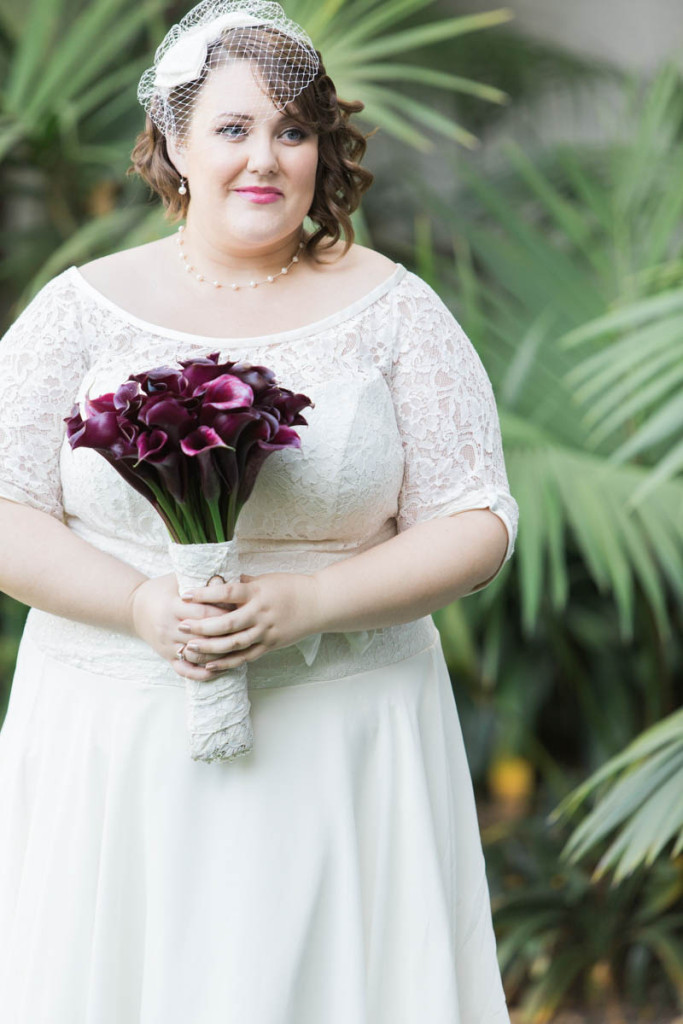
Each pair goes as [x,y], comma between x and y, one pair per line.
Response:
[225,153]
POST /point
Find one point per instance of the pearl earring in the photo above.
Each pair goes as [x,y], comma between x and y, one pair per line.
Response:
[181,187]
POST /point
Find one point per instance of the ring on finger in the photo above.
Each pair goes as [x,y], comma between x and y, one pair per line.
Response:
[180,653]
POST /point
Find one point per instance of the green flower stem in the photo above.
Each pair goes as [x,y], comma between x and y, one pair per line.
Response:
[214,511]
[188,526]
[195,524]
[196,521]
[168,512]
[232,513]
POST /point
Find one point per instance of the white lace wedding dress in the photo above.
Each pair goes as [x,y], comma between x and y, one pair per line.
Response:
[335,874]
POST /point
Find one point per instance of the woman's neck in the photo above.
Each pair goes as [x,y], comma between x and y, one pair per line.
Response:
[230,262]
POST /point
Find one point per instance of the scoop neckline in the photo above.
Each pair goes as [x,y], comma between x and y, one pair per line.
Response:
[202,339]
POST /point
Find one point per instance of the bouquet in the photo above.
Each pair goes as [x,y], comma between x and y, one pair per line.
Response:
[192,442]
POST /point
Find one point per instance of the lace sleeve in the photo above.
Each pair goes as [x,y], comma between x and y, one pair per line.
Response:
[447,417]
[43,359]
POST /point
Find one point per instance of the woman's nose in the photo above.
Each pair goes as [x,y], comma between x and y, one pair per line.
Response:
[262,157]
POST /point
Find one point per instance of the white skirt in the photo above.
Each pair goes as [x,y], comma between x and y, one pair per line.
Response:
[334,875]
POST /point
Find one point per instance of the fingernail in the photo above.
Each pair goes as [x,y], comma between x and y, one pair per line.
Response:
[184,628]
[192,647]
[187,595]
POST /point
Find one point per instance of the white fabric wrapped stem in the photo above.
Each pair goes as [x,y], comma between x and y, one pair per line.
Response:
[218,719]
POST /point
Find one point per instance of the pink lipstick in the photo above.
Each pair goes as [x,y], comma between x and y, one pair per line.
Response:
[259,195]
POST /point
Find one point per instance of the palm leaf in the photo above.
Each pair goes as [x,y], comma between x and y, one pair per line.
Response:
[640,792]
[358,41]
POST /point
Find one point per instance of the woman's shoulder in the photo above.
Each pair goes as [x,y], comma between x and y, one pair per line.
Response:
[373,268]
[358,259]
[119,266]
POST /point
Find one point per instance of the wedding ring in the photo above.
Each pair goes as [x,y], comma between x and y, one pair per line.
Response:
[180,653]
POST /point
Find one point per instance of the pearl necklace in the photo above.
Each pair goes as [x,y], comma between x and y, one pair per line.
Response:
[233,285]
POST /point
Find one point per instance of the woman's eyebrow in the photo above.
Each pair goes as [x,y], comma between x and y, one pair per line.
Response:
[280,116]
[232,113]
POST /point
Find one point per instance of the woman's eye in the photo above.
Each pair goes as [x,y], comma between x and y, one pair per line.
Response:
[299,134]
[233,131]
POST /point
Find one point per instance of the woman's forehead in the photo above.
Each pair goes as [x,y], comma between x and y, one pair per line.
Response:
[235,88]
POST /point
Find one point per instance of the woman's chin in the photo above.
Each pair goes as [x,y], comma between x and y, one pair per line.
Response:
[256,233]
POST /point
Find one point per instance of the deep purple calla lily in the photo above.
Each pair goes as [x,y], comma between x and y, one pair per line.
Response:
[161,378]
[161,456]
[127,398]
[199,371]
[102,404]
[100,431]
[152,446]
[226,392]
[201,440]
[169,413]
[202,445]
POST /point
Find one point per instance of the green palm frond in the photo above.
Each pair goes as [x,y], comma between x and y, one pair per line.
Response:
[556,923]
[634,375]
[58,58]
[362,45]
[639,796]
[562,491]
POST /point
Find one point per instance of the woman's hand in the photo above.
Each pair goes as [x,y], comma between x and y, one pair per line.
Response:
[270,611]
[156,613]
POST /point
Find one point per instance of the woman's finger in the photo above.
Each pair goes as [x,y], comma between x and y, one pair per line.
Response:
[218,593]
[219,625]
[187,670]
[211,649]
[250,653]
[183,610]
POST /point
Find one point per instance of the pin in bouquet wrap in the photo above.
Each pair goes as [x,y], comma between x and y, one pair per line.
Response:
[192,440]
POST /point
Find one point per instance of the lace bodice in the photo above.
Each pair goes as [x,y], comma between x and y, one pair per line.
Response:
[404,429]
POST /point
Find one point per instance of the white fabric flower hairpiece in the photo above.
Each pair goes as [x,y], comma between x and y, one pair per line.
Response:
[184,61]
[285,56]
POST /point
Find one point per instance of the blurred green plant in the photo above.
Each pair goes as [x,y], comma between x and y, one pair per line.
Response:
[365,44]
[566,698]
[563,939]
[12,617]
[640,794]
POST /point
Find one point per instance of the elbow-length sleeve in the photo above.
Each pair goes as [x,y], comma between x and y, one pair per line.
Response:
[447,418]
[42,362]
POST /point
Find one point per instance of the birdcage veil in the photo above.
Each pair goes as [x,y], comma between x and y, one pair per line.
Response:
[213,34]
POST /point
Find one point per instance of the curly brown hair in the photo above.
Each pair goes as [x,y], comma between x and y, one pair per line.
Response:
[340,180]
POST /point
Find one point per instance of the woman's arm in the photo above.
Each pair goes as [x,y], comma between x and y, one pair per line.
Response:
[412,574]
[46,565]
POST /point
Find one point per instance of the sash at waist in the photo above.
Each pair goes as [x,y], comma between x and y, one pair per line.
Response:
[110,653]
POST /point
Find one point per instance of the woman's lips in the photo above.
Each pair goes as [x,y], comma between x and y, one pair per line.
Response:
[255,196]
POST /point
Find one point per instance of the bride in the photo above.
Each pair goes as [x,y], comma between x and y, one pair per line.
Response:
[336,872]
